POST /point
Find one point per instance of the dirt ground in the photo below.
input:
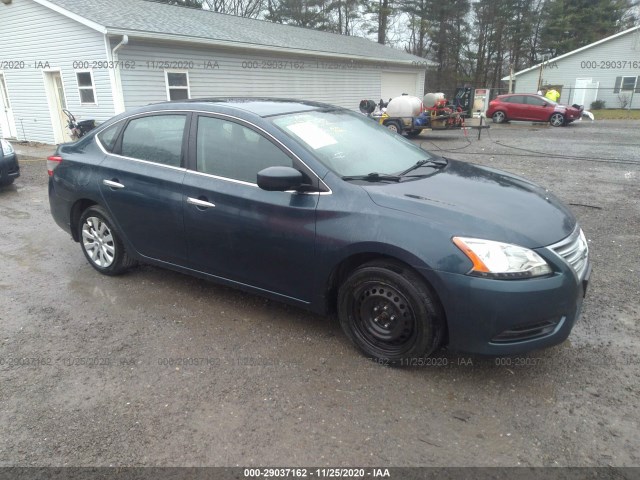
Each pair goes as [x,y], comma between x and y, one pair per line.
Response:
[156,368]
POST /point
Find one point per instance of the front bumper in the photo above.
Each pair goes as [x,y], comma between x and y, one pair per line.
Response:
[507,317]
[9,167]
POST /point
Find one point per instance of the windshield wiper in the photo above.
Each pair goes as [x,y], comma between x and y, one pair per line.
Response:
[374,177]
[426,162]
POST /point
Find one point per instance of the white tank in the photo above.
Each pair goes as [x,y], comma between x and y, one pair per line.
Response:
[430,99]
[404,106]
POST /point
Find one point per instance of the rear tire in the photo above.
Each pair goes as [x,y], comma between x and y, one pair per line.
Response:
[389,313]
[101,243]
[6,182]
[499,117]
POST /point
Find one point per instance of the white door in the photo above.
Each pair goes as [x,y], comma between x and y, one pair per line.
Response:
[395,84]
[581,89]
[591,95]
[57,102]
[7,123]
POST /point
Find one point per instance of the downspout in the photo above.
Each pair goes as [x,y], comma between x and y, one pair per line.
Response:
[118,95]
[123,42]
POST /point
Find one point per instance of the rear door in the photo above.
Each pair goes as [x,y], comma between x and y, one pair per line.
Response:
[141,183]
[236,230]
[516,108]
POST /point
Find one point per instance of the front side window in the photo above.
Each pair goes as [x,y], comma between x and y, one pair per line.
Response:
[230,150]
[156,138]
[86,87]
[177,85]
[350,144]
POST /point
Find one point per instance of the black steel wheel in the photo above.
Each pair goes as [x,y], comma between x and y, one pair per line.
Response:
[101,242]
[388,311]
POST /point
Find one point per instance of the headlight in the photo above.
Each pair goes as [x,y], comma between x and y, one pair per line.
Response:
[501,260]
[7,149]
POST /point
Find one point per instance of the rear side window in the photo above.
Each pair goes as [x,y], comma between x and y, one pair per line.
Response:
[536,101]
[515,99]
[157,138]
[108,137]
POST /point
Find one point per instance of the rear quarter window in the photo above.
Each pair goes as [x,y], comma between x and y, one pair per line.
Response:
[109,136]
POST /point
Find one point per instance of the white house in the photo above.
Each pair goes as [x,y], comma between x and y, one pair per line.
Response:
[607,70]
[97,58]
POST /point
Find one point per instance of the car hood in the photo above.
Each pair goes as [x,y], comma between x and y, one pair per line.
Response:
[469,200]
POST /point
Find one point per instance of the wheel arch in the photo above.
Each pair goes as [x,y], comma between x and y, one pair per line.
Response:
[397,261]
[76,212]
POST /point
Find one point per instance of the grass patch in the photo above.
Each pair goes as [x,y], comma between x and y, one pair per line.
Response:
[616,114]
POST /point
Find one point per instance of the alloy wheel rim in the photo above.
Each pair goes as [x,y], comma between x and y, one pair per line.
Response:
[556,119]
[98,242]
[498,116]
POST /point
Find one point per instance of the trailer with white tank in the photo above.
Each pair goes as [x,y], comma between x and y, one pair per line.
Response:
[410,115]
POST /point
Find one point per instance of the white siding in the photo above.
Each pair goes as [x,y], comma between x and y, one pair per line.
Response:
[591,63]
[335,82]
[33,33]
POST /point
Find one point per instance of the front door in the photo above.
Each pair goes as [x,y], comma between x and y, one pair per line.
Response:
[237,231]
[57,102]
[7,123]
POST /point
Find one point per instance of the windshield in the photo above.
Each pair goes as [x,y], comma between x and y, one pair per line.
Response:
[350,144]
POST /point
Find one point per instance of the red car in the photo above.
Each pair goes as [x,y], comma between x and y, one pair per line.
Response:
[532,108]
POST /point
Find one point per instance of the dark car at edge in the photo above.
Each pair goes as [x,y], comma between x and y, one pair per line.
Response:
[9,166]
[319,207]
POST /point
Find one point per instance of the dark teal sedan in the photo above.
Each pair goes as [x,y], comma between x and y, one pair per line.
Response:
[319,207]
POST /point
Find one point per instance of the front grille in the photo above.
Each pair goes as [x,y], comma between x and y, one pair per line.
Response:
[526,332]
[575,251]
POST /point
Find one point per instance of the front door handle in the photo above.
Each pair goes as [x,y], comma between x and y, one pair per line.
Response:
[200,203]
[112,184]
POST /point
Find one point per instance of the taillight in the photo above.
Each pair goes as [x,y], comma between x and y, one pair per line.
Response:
[52,162]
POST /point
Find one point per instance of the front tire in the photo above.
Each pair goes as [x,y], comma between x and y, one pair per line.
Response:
[389,313]
[557,120]
[6,182]
[414,133]
[101,242]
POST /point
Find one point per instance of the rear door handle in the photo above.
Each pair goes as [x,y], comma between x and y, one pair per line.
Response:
[112,184]
[200,203]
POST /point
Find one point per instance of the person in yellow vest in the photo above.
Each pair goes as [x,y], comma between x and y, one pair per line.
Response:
[552,94]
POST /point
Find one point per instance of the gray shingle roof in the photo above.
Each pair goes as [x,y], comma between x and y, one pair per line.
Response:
[145,17]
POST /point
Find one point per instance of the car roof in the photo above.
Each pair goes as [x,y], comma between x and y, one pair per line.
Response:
[263,107]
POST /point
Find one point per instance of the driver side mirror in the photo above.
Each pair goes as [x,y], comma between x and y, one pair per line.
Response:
[280,179]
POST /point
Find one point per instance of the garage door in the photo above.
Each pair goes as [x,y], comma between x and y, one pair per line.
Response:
[395,84]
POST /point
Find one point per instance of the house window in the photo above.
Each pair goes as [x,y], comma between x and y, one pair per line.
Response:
[628,84]
[177,85]
[86,87]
